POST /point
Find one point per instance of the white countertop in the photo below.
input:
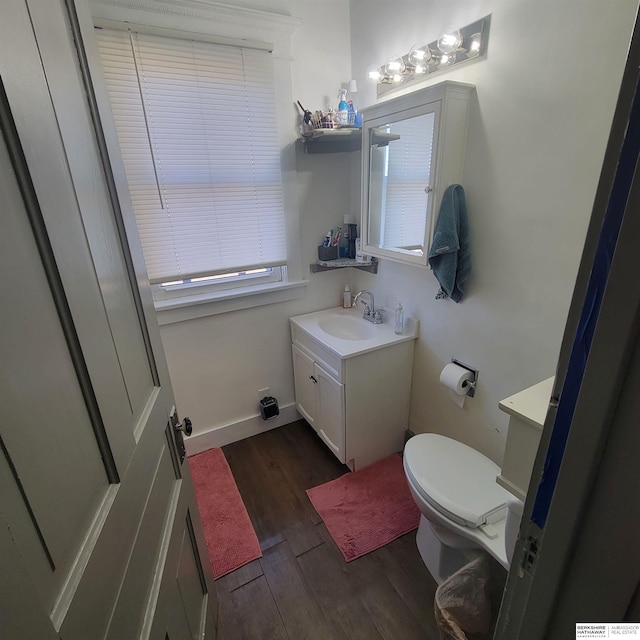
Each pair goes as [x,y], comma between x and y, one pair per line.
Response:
[531,404]
[383,335]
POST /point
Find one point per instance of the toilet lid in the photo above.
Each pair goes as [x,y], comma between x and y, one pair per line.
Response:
[455,479]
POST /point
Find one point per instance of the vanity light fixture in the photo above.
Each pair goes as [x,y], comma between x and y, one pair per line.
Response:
[453,47]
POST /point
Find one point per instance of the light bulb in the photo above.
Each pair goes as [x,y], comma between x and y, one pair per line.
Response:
[474,45]
[394,66]
[418,54]
[450,40]
[397,77]
[421,68]
[374,74]
[447,59]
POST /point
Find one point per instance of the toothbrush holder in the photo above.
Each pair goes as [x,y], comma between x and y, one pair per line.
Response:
[327,253]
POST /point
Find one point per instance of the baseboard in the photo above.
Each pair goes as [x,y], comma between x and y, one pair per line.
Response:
[228,433]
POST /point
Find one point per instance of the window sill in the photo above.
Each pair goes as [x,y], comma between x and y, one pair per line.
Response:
[210,304]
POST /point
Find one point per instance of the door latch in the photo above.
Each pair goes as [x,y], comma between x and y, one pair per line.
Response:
[180,429]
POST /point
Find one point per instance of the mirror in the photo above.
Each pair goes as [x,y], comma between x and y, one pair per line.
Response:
[400,183]
[413,148]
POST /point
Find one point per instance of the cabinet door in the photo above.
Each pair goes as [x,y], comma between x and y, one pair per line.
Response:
[304,380]
[330,418]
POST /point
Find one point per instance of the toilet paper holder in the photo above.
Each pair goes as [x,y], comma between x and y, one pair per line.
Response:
[470,384]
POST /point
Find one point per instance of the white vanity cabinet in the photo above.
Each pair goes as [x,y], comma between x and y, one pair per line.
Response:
[356,398]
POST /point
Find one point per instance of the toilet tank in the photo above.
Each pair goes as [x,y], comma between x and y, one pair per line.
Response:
[527,411]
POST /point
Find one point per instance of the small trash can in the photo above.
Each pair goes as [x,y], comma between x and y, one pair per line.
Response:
[466,604]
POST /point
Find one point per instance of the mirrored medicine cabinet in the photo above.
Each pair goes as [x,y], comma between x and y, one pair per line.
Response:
[412,150]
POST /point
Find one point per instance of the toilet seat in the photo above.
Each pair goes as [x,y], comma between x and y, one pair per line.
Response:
[456,480]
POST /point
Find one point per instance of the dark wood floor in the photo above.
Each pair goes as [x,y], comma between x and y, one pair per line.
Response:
[302,588]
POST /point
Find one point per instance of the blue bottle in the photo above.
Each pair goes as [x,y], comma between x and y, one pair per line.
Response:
[342,116]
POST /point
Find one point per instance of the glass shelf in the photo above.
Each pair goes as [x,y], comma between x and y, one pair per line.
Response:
[345,139]
[344,263]
[337,140]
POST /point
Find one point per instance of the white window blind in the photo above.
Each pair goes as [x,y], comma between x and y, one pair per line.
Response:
[409,169]
[196,124]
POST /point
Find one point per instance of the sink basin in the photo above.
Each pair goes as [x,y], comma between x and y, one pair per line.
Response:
[347,327]
[345,333]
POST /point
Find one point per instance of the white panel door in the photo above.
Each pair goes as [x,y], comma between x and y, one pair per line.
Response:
[101,536]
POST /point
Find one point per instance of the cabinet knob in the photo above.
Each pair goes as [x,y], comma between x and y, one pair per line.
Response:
[314,380]
[428,189]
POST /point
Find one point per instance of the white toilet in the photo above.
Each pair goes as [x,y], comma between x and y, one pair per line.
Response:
[464,511]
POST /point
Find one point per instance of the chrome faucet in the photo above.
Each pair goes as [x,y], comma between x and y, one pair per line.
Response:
[370,312]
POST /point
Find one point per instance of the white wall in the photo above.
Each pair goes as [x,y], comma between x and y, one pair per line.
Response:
[545,97]
[538,129]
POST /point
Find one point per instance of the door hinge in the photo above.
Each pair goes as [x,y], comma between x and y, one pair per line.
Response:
[531,554]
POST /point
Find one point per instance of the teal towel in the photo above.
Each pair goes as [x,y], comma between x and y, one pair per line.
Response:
[450,256]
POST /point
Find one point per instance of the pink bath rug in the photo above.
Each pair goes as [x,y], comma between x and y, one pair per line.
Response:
[230,536]
[367,509]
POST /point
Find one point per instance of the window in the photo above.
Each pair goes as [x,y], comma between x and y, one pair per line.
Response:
[196,124]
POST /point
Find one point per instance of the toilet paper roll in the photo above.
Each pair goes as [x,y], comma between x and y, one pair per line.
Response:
[456,379]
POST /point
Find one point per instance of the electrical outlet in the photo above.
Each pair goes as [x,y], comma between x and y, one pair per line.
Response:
[263,393]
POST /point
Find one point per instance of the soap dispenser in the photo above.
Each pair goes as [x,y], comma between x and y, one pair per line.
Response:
[346,297]
[399,326]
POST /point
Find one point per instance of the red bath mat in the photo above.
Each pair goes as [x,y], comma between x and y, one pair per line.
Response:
[367,509]
[230,536]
